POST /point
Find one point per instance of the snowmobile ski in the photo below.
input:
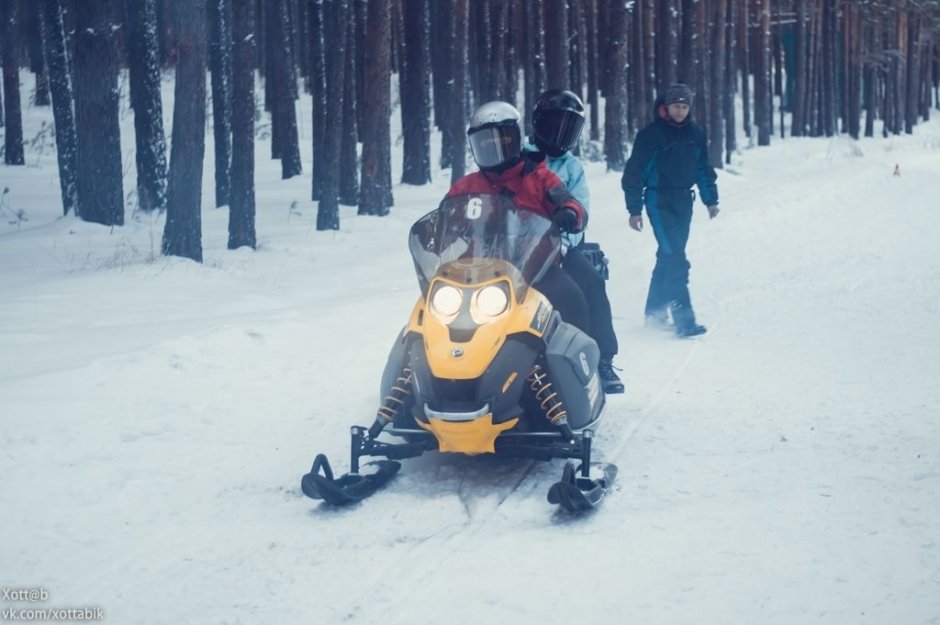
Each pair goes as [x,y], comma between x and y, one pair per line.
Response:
[348,488]
[577,494]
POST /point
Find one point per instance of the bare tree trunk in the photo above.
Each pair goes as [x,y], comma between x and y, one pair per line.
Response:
[13,116]
[63,102]
[220,65]
[442,40]
[912,79]
[668,43]
[148,105]
[635,68]
[241,221]
[318,97]
[349,157]
[458,155]
[593,99]
[744,55]
[37,64]
[100,190]
[762,94]
[615,112]
[415,102]
[730,81]
[334,39]
[556,44]
[182,235]
[376,194]
[283,109]
[716,108]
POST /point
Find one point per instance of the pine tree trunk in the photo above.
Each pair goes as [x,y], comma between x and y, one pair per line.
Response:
[334,40]
[556,44]
[615,111]
[912,99]
[182,235]
[593,98]
[220,66]
[37,63]
[763,93]
[63,102]
[716,108]
[148,106]
[283,109]
[797,121]
[376,179]
[241,221]
[318,97]
[100,190]
[744,55]
[635,69]
[349,157]
[458,115]
[415,101]
[686,42]
[669,43]
[730,81]
[13,116]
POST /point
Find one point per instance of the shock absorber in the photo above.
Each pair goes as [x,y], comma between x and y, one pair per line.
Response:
[392,403]
[549,401]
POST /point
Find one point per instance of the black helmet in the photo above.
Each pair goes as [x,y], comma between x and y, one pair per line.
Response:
[495,136]
[557,120]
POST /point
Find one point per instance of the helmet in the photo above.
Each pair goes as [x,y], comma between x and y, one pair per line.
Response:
[557,120]
[495,136]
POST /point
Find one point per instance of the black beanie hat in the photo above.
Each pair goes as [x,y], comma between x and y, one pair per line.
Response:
[679,93]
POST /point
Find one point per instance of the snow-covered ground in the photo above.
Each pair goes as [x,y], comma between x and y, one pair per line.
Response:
[785,468]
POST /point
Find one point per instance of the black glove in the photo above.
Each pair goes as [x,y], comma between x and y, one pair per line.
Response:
[566,220]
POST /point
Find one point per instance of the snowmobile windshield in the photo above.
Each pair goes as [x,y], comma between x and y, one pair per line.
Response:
[475,238]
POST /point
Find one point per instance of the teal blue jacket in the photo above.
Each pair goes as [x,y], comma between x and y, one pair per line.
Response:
[568,167]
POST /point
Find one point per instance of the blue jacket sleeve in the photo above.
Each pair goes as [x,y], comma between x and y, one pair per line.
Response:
[636,172]
[576,183]
[707,187]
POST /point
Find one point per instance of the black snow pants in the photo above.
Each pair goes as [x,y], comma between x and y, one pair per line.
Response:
[670,215]
[566,297]
[577,265]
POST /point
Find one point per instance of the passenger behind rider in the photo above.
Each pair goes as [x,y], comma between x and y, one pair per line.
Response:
[495,137]
[557,119]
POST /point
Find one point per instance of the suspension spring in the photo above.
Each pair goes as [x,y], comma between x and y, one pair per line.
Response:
[396,397]
[548,399]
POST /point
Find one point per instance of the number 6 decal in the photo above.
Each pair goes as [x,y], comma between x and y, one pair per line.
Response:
[474,208]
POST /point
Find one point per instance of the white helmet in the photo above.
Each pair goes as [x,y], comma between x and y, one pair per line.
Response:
[495,136]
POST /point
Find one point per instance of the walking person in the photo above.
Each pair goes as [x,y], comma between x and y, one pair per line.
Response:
[669,156]
[557,120]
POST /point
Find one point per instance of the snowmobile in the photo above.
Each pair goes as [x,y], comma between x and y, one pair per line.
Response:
[485,364]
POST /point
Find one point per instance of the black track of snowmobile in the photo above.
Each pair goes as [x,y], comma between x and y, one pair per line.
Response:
[579,494]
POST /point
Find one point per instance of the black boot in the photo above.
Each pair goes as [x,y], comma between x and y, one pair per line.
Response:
[610,381]
[690,330]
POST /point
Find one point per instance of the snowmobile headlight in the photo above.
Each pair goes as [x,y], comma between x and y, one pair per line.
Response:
[489,302]
[446,302]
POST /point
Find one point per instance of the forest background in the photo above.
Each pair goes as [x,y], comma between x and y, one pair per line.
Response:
[787,67]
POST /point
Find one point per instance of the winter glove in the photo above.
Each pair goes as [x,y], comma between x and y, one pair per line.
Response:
[713,211]
[636,222]
[566,220]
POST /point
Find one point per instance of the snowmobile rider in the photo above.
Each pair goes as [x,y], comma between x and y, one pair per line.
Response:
[495,138]
[557,120]
[669,156]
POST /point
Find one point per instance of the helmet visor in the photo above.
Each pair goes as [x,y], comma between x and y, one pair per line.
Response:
[559,129]
[494,145]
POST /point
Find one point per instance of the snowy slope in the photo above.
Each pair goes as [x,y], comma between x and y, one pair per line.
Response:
[785,468]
